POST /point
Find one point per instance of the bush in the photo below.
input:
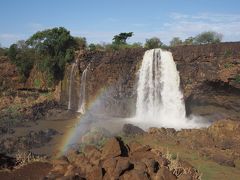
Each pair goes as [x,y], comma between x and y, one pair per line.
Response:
[81,42]
[208,37]
[176,41]
[153,43]
[3,51]
[237,78]
[23,57]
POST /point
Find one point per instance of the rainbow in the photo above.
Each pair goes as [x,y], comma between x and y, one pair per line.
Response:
[73,133]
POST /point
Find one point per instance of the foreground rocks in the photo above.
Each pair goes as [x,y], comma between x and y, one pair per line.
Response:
[116,160]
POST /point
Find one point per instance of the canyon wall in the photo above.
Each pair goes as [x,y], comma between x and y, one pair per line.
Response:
[210,79]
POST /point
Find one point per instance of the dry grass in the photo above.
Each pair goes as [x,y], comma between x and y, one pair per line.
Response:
[24,158]
[176,167]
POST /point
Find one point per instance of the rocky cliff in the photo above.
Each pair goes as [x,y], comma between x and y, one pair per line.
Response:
[209,79]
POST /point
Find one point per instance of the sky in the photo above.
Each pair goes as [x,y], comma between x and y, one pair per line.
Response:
[100,20]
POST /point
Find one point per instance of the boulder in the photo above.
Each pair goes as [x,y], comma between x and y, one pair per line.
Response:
[129,129]
[111,149]
[164,174]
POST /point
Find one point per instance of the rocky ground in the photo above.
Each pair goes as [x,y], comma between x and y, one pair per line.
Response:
[209,153]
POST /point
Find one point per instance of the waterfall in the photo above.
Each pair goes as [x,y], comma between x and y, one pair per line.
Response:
[159,99]
[70,85]
[82,97]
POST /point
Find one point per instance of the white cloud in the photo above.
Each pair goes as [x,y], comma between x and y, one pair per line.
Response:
[185,25]
[178,25]
[8,38]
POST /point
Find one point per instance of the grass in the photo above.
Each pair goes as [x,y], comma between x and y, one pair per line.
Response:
[37,83]
[237,78]
[228,53]
[209,169]
[228,65]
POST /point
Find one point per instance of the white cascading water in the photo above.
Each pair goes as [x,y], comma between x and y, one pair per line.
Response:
[70,85]
[82,98]
[159,99]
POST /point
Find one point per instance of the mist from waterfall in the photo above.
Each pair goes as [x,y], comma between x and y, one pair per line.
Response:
[82,96]
[70,85]
[159,99]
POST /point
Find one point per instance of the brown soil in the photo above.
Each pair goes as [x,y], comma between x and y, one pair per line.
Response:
[34,171]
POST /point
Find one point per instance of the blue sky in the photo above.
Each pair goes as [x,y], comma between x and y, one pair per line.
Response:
[100,20]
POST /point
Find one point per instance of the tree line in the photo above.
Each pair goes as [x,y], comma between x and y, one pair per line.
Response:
[49,50]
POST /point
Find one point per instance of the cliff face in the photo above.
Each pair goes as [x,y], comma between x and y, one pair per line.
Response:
[110,82]
[209,79]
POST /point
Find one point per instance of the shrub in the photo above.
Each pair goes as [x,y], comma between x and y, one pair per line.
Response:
[176,41]
[208,37]
[237,78]
[228,65]
[153,43]
[81,42]
[228,53]
[23,58]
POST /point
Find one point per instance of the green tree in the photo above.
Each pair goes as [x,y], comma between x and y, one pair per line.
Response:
[12,52]
[81,42]
[152,43]
[56,47]
[208,37]
[121,39]
[176,41]
[23,57]
[137,45]
[189,41]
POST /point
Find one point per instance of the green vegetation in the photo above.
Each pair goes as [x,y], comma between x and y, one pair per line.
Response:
[176,41]
[237,78]
[55,47]
[228,65]
[208,37]
[3,51]
[11,116]
[152,43]
[37,83]
[81,42]
[48,50]
[121,39]
[23,57]
[228,53]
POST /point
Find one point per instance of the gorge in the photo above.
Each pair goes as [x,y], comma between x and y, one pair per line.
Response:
[103,91]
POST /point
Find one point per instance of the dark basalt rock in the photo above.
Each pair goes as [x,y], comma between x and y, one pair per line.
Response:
[129,129]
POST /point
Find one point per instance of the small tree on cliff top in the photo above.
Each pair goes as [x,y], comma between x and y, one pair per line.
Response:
[208,37]
[152,43]
[121,39]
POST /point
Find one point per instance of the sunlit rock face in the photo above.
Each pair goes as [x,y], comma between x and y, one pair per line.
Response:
[207,79]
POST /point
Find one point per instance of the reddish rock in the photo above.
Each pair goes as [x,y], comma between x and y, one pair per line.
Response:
[95,173]
[111,149]
[164,174]
[134,175]
[123,165]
